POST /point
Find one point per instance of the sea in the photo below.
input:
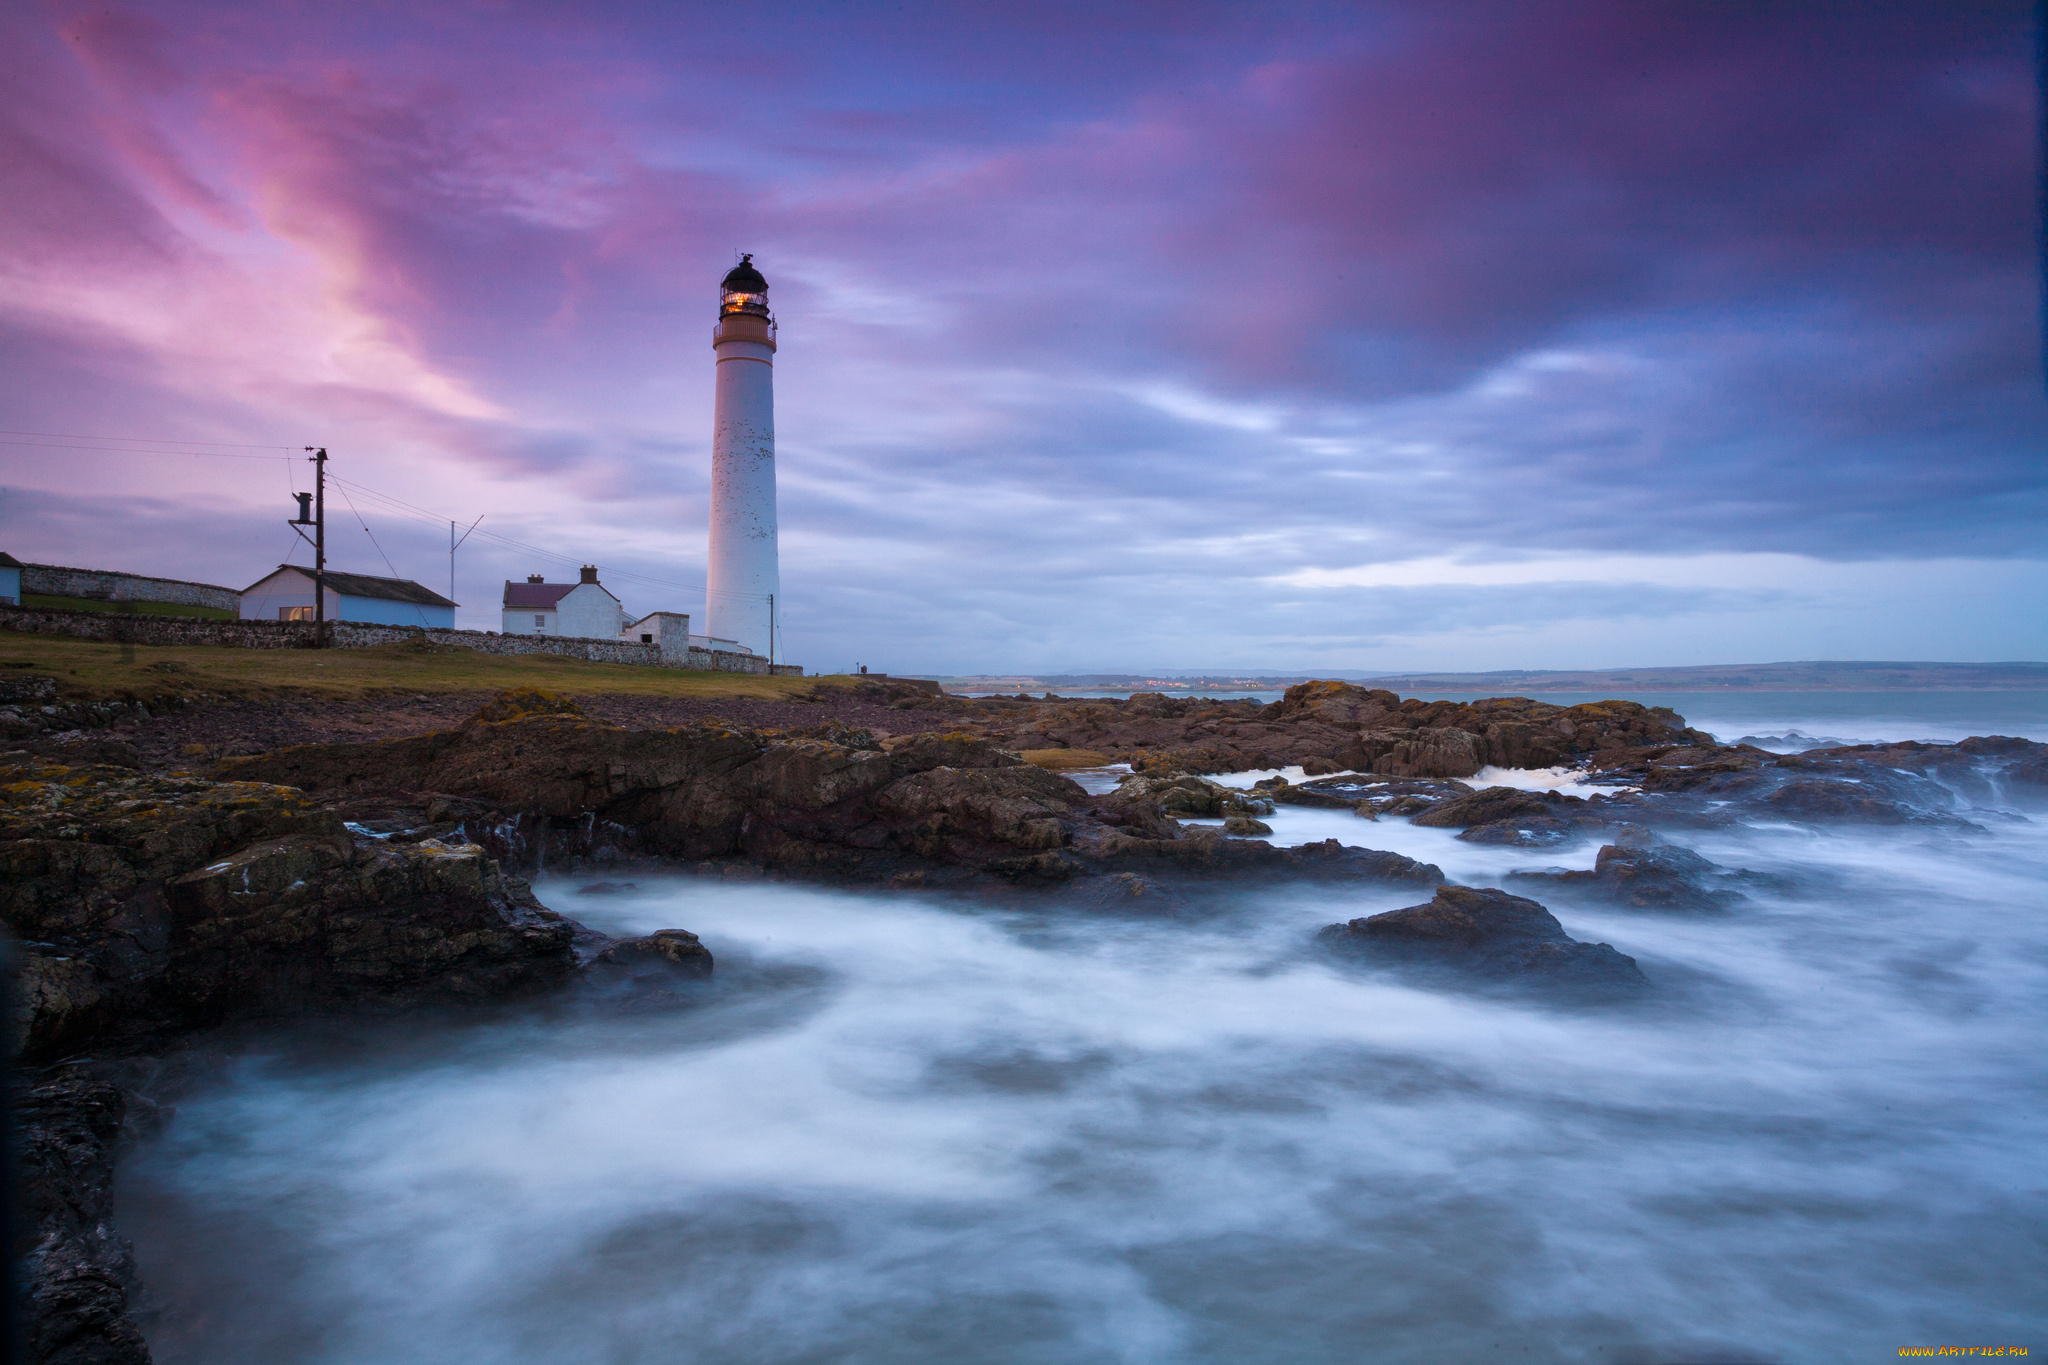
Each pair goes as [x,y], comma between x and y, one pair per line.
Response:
[911,1126]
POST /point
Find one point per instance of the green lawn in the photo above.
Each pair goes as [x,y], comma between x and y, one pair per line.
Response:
[99,670]
[36,599]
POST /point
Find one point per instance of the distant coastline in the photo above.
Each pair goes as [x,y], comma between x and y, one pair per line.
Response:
[1803,676]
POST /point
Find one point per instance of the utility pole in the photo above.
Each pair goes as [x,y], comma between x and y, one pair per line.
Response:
[771,630]
[319,459]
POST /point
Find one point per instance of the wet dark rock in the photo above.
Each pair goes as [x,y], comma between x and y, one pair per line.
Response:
[1326,727]
[1645,873]
[1244,826]
[1527,831]
[664,953]
[75,1270]
[1190,796]
[149,905]
[1331,858]
[1410,795]
[1825,799]
[1315,797]
[1791,739]
[1493,805]
[1487,934]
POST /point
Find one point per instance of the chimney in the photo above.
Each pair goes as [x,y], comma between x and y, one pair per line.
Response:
[535,578]
[590,573]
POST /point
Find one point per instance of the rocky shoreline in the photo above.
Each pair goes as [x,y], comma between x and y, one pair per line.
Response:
[154,909]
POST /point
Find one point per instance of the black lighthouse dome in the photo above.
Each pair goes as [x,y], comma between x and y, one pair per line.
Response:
[744,289]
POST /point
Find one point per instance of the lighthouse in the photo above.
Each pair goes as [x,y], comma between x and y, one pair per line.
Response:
[743,584]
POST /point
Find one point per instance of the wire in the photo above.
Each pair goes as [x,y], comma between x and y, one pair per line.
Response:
[136,450]
[152,440]
[417,609]
[399,507]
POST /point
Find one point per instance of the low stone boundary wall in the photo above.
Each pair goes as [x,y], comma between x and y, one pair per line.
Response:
[107,585]
[187,630]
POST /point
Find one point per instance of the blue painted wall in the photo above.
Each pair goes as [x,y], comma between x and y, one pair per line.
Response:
[381,611]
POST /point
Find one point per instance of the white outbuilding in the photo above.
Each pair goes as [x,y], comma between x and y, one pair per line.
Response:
[584,611]
[287,595]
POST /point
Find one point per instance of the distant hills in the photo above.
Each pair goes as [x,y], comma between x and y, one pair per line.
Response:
[1819,675]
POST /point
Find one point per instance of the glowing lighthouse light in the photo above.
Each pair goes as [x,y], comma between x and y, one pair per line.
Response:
[744,581]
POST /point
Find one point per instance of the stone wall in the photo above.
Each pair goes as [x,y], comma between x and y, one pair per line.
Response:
[105,585]
[186,630]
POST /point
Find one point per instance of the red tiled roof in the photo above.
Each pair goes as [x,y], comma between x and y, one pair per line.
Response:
[536,596]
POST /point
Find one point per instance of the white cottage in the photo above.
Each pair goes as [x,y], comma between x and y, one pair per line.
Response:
[584,610]
[10,579]
[287,595]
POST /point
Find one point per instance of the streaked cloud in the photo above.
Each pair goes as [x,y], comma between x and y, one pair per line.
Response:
[1396,336]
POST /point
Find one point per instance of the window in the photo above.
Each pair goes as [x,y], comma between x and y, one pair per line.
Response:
[539,621]
[294,613]
[647,639]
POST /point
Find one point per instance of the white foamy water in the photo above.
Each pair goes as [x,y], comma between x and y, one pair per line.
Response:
[908,1127]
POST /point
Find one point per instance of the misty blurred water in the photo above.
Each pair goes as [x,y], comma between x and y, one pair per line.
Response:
[908,1127]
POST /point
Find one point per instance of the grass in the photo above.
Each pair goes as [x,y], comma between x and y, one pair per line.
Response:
[37,599]
[92,670]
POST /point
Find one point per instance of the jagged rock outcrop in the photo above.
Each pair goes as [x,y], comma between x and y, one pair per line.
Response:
[144,907]
[1189,796]
[1487,934]
[147,905]
[75,1269]
[1327,727]
[1642,871]
[1492,804]
[1369,796]
[580,788]
[671,952]
[1899,784]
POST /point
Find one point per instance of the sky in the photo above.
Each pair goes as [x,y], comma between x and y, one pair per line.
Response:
[1153,336]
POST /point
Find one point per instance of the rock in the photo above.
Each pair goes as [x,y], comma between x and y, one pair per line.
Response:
[1245,827]
[1485,933]
[1643,872]
[1436,752]
[1313,796]
[27,688]
[711,790]
[522,702]
[1192,796]
[1824,799]
[666,952]
[1527,831]
[151,905]
[840,733]
[1492,805]
[1331,858]
[74,1279]
[1128,893]
[1327,726]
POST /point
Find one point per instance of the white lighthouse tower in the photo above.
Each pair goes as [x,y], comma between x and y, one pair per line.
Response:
[744,582]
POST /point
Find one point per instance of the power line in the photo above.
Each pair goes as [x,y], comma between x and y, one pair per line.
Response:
[151,445]
[149,440]
[136,450]
[400,507]
[417,610]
